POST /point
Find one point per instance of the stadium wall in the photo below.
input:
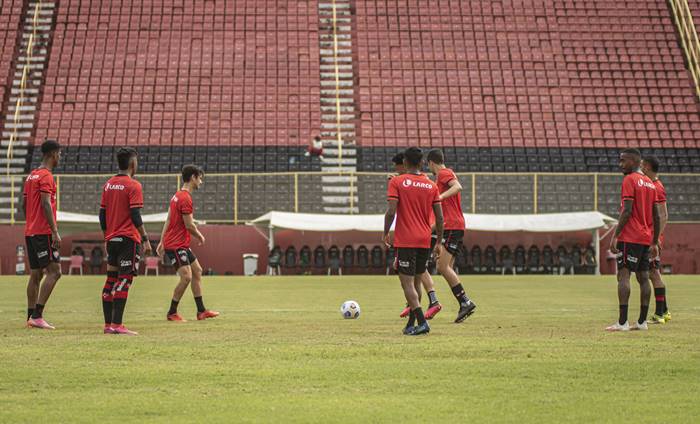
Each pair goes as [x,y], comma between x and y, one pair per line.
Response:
[226,245]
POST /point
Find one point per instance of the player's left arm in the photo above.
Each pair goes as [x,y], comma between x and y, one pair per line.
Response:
[191,227]
[625,216]
[161,249]
[656,213]
[389,219]
[455,187]
[663,217]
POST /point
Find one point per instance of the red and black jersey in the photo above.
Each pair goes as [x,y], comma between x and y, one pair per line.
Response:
[39,181]
[452,206]
[660,198]
[416,195]
[176,235]
[642,191]
[120,194]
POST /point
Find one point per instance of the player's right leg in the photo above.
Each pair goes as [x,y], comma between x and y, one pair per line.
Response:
[445,268]
[661,313]
[434,307]
[409,278]
[53,274]
[126,254]
[33,284]
[179,259]
[43,260]
[202,311]
[623,290]
[642,273]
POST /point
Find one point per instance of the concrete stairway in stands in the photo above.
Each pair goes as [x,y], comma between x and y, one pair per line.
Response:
[20,109]
[338,113]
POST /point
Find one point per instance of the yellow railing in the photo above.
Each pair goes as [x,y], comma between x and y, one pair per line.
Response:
[236,198]
[689,38]
[26,69]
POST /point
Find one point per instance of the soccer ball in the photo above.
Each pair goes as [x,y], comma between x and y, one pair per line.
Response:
[350,309]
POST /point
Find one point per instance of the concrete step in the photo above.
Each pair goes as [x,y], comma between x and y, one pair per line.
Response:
[338,169]
[22,134]
[333,59]
[349,161]
[336,36]
[17,144]
[333,151]
[336,5]
[333,108]
[11,117]
[341,75]
[331,43]
[333,117]
[342,190]
[338,179]
[334,92]
[342,100]
[17,152]
[338,200]
[20,125]
[14,161]
[14,99]
[340,66]
[341,209]
[26,91]
[8,189]
[333,135]
[333,125]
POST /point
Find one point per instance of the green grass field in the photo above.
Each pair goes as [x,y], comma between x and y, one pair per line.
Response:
[535,351]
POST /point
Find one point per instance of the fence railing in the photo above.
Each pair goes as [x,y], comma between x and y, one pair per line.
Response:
[237,198]
[688,36]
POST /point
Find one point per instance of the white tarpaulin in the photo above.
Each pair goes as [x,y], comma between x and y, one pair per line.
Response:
[76,218]
[548,223]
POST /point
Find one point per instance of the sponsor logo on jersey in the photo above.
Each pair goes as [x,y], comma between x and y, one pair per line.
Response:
[410,183]
[31,177]
[642,183]
[109,186]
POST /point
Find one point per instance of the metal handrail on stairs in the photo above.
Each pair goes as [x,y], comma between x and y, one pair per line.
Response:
[688,37]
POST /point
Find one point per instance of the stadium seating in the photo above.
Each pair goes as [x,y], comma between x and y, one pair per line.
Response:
[244,73]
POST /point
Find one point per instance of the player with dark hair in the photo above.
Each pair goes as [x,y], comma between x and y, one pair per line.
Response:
[451,244]
[41,234]
[125,235]
[636,238]
[175,244]
[426,279]
[650,167]
[413,200]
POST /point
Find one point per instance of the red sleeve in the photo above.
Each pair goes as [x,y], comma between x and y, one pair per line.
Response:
[628,188]
[393,189]
[135,196]
[436,195]
[660,194]
[445,176]
[46,183]
[185,205]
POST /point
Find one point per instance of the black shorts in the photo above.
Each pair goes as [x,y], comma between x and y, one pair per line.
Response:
[40,252]
[452,241]
[180,257]
[632,256]
[411,261]
[125,254]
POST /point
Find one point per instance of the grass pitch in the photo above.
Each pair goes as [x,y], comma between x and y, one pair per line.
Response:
[535,351]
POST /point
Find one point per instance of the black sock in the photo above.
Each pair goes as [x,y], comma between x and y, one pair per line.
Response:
[107,310]
[38,311]
[643,312]
[459,293]
[623,314]
[433,297]
[30,311]
[118,306]
[173,307]
[660,295]
[411,319]
[419,315]
[200,304]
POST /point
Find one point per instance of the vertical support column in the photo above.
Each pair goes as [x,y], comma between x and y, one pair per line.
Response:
[473,193]
[296,192]
[352,192]
[596,246]
[12,200]
[595,191]
[534,193]
[235,199]
[58,192]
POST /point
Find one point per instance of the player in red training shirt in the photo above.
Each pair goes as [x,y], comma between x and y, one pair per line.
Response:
[41,234]
[650,167]
[175,244]
[426,279]
[636,238]
[413,200]
[125,235]
[450,189]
